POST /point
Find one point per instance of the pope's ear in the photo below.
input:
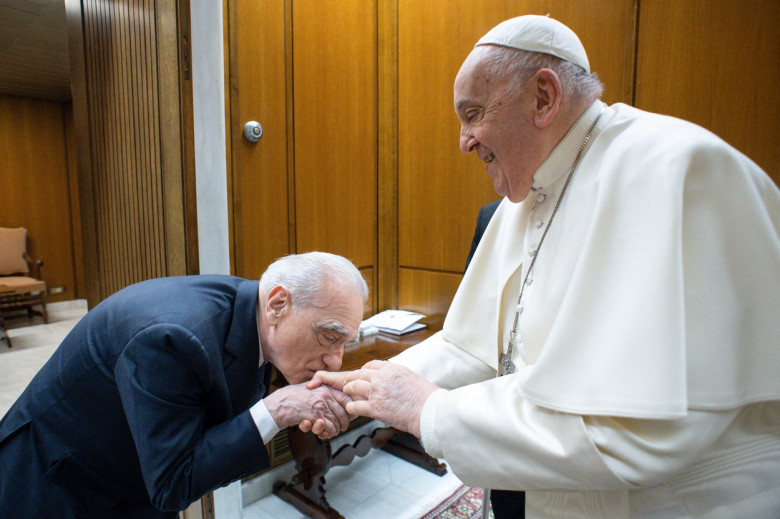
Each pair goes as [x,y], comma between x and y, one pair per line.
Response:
[278,301]
[548,91]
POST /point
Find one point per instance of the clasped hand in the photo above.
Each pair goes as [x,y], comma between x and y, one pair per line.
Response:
[320,410]
[382,390]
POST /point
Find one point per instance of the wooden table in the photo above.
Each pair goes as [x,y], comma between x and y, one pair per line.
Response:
[313,457]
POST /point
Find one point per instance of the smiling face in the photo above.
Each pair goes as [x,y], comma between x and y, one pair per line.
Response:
[498,126]
[302,341]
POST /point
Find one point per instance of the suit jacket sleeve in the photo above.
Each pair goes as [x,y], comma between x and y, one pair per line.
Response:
[164,376]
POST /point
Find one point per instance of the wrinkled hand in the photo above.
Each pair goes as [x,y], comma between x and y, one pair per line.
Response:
[320,410]
[388,392]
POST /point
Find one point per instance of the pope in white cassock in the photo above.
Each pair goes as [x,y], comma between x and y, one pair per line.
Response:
[614,347]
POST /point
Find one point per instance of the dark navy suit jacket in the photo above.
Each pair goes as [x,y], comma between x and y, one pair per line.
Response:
[483,219]
[143,408]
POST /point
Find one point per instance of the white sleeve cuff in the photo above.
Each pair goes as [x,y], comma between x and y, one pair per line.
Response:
[265,424]
[428,438]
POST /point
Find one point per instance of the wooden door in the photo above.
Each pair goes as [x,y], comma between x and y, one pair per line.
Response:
[308,73]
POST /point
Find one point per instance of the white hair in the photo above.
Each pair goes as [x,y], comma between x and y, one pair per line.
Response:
[520,65]
[305,276]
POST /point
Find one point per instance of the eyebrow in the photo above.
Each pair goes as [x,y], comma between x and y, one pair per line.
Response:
[463,102]
[334,327]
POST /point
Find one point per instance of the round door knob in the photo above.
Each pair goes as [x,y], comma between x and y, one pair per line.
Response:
[253,130]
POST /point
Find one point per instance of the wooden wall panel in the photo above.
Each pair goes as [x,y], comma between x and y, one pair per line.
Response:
[124,134]
[335,103]
[427,292]
[259,170]
[130,95]
[717,64]
[35,186]
[440,190]
[79,268]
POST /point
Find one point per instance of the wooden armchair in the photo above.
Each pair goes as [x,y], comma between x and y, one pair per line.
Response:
[21,287]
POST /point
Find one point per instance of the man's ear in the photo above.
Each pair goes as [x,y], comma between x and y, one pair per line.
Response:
[548,91]
[278,301]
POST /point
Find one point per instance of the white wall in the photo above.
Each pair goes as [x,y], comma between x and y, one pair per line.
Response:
[209,127]
[211,171]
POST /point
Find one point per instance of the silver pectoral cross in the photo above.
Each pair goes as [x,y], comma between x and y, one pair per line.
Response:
[507,366]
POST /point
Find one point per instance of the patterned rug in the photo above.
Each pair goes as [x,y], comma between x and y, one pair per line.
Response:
[464,503]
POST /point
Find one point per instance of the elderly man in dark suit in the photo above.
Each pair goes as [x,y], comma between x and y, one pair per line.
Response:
[160,394]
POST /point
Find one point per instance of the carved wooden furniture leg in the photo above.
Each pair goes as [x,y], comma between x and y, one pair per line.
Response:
[306,492]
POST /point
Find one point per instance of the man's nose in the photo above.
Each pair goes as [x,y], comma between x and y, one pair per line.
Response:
[333,360]
[467,142]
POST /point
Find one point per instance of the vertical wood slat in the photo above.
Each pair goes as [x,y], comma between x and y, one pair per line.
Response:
[171,195]
[386,274]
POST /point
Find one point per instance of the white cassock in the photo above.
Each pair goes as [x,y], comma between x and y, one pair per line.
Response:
[648,355]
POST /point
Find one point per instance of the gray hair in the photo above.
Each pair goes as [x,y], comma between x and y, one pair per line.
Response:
[305,275]
[521,65]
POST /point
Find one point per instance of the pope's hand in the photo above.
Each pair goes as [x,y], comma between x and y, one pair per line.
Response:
[382,390]
[321,410]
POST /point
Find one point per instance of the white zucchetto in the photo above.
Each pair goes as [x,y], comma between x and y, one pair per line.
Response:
[538,34]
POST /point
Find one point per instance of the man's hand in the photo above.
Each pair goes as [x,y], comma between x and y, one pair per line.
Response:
[388,392]
[320,410]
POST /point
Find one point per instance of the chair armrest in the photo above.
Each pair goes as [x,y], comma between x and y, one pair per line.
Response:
[34,266]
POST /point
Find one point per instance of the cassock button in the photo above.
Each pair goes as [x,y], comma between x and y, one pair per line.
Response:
[539,224]
[529,281]
[532,252]
[540,197]
[519,309]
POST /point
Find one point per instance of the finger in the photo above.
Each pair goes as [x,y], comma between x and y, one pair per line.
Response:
[374,364]
[305,425]
[360,408]
[318,426]
[341,397]
[329,428]
[358,388]
[337,408]
[329,378]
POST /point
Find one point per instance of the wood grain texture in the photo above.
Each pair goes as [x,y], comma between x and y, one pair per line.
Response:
[387,150]
[258,91]
[35,190]
[716,64]
[427,292]
[440,190]
[127,122]
[335,103]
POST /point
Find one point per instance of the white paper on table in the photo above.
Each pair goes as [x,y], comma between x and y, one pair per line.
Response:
[395,321]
